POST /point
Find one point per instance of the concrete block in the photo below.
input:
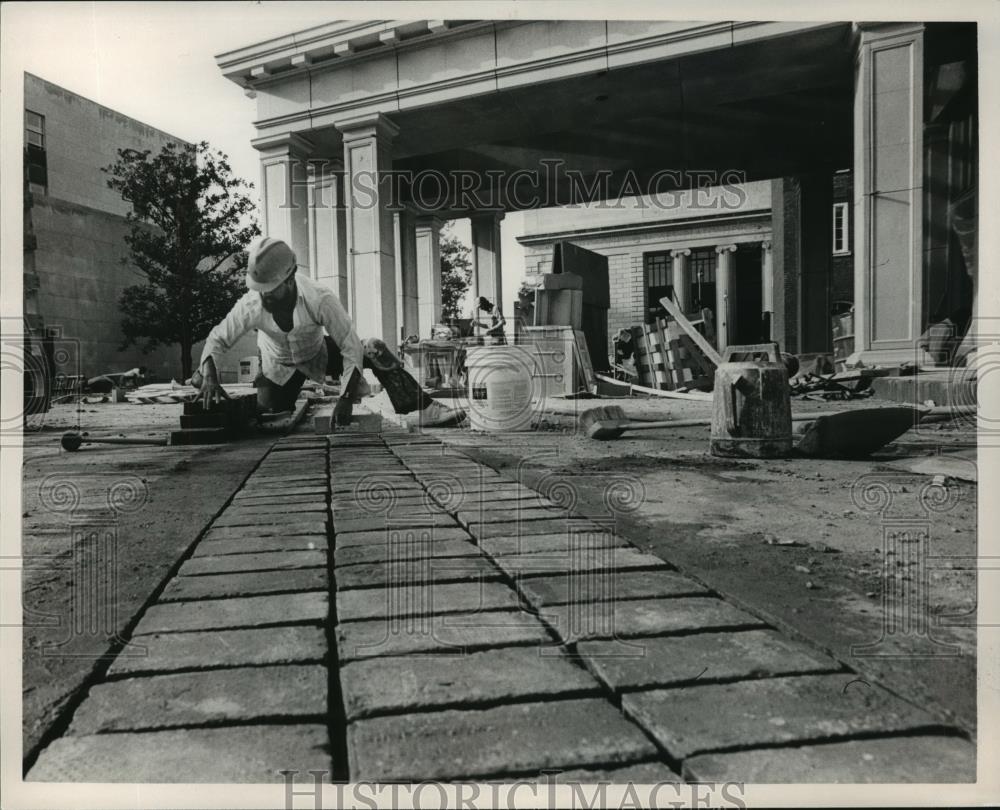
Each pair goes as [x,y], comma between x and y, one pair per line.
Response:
[424,600]
[197,698]
[644,617]
[411,572]
[606,560]
[245,499]
[454,634]
[376,522]
[380,537]
[704,656]
[359,555]
[360,423]
[564,588]
[392,511]
[253,545]
[414,683]
[557,543]
[203,420]
[241,754]
[291,527]
[207,435]
[800,708]
[167,652]
[247,611]
[240,517]
[484,530]
[924,759]
[366,488]
[220,586]
[511,510]
[262,561]
[285,509]
[470,745]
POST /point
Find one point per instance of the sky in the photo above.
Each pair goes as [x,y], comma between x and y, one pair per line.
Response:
[155,62]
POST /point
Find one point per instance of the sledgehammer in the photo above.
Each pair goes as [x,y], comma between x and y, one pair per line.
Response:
[72,441]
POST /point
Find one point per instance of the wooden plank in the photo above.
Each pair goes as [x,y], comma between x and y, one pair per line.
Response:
[586,367]
[707,349]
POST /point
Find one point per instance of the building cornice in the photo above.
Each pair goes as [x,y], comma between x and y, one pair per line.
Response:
[327,48]
[744,217]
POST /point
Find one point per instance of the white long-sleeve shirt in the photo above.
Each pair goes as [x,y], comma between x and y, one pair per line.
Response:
[304,349]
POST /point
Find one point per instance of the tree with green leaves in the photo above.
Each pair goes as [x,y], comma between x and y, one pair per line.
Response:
[189,227]
[456,272]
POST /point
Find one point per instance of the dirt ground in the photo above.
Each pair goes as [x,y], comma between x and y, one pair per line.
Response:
[802,542]
[103,528]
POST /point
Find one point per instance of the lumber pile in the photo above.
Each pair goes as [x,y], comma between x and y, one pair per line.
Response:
[668,359]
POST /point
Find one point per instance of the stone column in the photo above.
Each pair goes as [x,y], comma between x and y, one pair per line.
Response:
[888,190]
[767,288]
[681,278]
[371,262]
[407,290]
[723,273]
[486,269]
[428,253]
[284,191]
[327,228]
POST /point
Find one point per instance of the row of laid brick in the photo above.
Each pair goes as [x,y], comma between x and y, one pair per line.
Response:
[444,674]
[641,632]
[225,677]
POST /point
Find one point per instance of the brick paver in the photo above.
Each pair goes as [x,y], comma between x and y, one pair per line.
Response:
[669,661]
[244,611]
[262,561]
[453,634]
[217,586]
[410,683]
[197,698]
[237,754]
[800,708]
[167,652]
[422,600]
[522,738]
[930,758]
[496,651]
[561,589]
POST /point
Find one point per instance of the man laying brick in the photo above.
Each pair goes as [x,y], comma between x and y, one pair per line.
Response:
[290,313]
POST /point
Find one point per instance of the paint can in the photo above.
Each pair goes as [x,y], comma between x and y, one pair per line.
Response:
[501,387]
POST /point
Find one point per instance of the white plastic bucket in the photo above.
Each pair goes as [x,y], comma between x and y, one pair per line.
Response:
[501,387]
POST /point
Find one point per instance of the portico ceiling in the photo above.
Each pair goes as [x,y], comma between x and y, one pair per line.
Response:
[766,106]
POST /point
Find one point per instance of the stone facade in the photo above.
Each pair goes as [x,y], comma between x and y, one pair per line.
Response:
[630,233]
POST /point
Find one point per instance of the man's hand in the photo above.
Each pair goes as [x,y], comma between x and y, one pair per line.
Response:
[343,411]
[211,390]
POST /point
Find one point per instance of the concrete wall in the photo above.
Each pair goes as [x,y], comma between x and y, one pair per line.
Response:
[79,231]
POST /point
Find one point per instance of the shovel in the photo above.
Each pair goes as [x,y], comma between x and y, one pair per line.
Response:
[610,422]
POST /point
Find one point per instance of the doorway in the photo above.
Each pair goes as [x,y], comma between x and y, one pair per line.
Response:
[747,296]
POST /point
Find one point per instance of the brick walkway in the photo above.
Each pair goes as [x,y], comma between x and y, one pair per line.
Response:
[546,643]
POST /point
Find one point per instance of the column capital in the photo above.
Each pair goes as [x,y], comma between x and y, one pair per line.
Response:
[283,145]
[377,125]
[765,245]
[497,216]
[430,221]
[678,252]
[720,249]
